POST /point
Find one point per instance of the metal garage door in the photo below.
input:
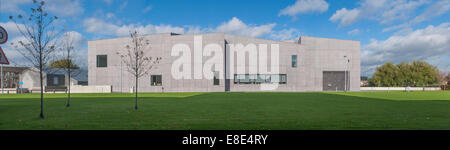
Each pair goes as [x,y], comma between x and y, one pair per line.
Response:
[334,81]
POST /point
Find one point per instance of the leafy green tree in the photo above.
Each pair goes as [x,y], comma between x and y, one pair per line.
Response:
[385,75]
[417,73]
[423,74]
[64,64]
[405,75]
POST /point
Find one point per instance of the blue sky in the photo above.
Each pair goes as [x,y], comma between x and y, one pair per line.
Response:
[389,30]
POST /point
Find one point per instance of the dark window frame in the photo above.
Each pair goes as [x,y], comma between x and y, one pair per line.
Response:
[216,80]
[154,80]
[294,61]
[260,78]
[99,63]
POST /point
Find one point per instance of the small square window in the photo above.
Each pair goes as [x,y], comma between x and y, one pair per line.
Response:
[102,61]
[156,80]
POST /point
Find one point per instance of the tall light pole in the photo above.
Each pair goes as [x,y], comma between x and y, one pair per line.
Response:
[121,74]
[121,71]
[345,73]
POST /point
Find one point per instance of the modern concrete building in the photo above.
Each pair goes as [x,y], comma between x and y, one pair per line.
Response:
[305,64]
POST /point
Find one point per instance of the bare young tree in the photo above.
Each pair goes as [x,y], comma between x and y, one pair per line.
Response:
[39,45]
[441,78]
[67,61]
[138,64]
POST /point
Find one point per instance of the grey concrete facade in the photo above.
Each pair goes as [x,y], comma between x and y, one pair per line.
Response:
[314,56]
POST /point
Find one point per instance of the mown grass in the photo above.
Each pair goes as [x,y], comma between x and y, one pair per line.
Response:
[248,111]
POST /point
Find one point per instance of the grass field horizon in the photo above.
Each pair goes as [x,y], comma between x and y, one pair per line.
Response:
[230,111]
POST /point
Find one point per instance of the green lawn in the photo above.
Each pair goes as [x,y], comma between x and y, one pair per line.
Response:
[314,110]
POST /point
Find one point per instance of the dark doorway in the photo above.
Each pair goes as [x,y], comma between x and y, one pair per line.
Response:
[335,80]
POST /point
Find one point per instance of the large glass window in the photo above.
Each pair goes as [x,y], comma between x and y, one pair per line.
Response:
[216,78]
[294,61]
[102,61]
[156,80]
[260,78]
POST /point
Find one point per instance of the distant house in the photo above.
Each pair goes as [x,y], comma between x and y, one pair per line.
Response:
[11,76]
[364,81]
[29,77]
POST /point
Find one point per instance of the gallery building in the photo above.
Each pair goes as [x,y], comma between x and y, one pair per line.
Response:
[240,64]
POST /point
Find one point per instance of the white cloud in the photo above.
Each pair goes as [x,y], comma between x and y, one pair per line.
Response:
[9,6]
[56,7]
[354,32]
[147,9]
[236,27]
[197,30]
[110,15]
[400,10]
[64,7]
[14,57]
[305,6]
[383,11]
[98,26]
[346,17]
[77,38]
[17,59]
[123,5]
[80,52]
[285,34]
[429,44]
[11,28]
[148,29]
[436,9]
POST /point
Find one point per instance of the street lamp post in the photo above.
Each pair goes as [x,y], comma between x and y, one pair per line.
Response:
[121,72]
[345,73]
[121,75]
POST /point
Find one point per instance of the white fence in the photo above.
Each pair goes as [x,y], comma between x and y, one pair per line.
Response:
[91,89]
[400,88]
[8,91]
[73,89]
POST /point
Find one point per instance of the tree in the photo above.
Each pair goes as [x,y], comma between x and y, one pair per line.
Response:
[423,73]
[448,78]
[138,64]
[405,74]
[417,73]
[67,60]
[39,44]
[386,75]
[69,68]
[442,79]
[64,63]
